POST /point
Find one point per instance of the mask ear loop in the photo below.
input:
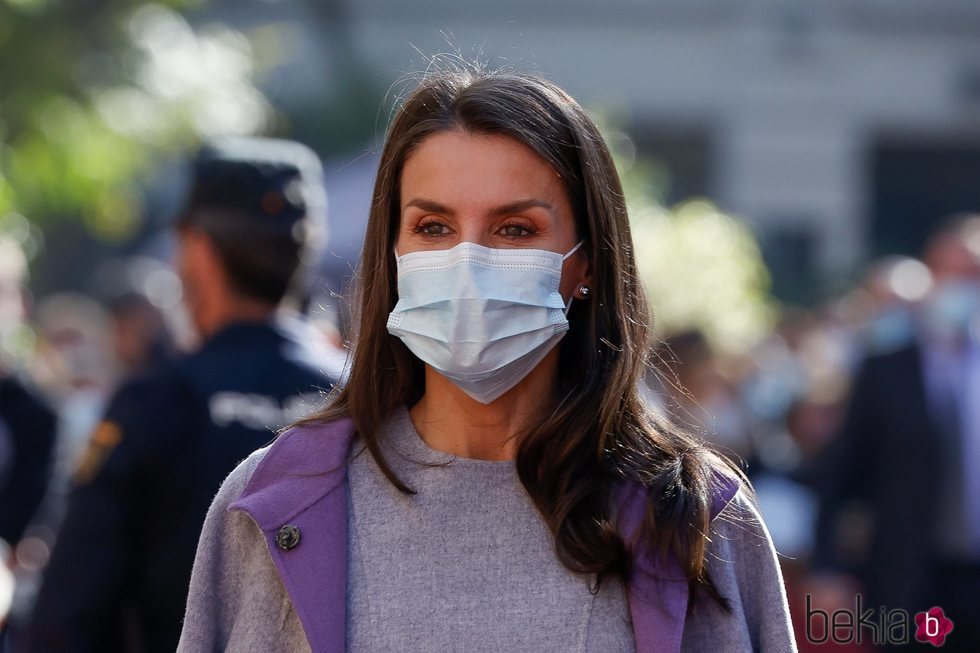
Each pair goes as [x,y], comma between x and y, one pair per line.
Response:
[572,250]
[568,306]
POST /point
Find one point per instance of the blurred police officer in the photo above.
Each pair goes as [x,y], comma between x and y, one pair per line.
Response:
[119,572]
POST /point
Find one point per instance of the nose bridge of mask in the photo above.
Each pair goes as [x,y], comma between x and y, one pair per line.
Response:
[471,250]
[511,260]
[481,255]
[428,279]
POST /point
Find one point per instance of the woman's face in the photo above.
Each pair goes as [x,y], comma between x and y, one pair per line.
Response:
[490,190]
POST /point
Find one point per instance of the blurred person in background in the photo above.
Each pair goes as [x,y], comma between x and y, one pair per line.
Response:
[84,351]
[27,423]
[75,367]
[891,289]
[251,230]
[73,347]
[909,448]
[697,393]
[138,333]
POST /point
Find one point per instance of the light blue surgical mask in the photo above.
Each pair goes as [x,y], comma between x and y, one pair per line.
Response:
[481,317]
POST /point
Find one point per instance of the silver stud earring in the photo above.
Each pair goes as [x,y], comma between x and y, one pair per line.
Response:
[584,290]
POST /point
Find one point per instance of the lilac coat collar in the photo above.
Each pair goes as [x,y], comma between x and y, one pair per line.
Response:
[299,482]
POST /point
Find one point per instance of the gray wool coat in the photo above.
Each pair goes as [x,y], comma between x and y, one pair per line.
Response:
[251,591]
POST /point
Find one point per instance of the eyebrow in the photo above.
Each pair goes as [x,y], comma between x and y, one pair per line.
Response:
[513,207]
[428,205]
[523,205]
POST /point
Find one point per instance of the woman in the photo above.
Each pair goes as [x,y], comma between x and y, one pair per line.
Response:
[488,478]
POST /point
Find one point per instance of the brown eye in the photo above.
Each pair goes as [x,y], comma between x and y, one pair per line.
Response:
[515,231]
[431,228]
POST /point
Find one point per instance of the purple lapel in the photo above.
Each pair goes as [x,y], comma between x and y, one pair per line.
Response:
[658,591]
[299,483]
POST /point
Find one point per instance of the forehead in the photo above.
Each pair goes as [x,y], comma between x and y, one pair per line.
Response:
[461,166]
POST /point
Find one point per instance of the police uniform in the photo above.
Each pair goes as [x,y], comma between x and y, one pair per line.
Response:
[120,569]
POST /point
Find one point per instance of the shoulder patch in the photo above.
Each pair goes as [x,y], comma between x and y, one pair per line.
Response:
[104,439]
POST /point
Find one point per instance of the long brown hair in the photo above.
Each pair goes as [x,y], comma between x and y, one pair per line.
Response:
[599,432]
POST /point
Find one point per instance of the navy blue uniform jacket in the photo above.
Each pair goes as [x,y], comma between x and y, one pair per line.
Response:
[119,572]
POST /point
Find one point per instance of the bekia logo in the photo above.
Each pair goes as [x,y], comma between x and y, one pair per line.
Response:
[880,627]
[932,626]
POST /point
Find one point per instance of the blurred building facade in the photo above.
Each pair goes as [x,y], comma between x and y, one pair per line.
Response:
[840,129]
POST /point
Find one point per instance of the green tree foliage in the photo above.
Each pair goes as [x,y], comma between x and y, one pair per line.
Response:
[702,269]
[91,90]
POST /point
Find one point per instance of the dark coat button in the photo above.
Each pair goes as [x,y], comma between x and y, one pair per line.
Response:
[287,537]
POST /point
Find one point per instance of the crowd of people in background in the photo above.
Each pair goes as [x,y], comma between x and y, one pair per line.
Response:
[855,423]
[850,418]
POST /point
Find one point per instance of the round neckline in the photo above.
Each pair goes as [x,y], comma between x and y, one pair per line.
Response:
[407,441]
